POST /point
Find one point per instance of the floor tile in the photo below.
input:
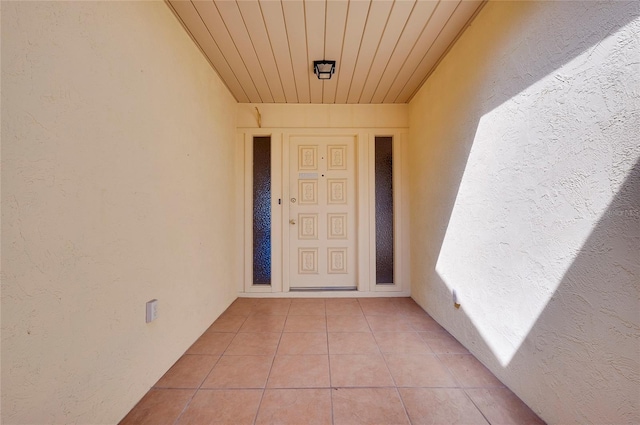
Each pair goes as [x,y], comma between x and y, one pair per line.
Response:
[303,343]
[347,324]
[401,342]
[306,324]
[387,323]
[263,343]
[240,309]
[328,361]
[245,301]
[440,406]
[422,322]
[211,343]
[443,342]
[239,372]
[232,407]
[263,323]
[272,306]
[310,300]
[359,370]
[302,371]
[227,323]
[343,307]
[295,407]
[378,306]
[407,306]
[419,370]
[374,406]
[469,372]
[188,372]
[352,343]
[307,308]
[501,407]
[158,407]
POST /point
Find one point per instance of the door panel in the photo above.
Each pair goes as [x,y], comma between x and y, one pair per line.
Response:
[322,212]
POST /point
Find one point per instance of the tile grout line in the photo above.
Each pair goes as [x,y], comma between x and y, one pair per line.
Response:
[188,403]
[384,359]
[455,378]
[184,409]
[406,413]
[475,405]
[463,388]
[326,323]
[441,356]
[255,417]
[273,360]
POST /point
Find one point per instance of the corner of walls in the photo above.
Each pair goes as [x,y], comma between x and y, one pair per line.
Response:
[524,199]
[117,153]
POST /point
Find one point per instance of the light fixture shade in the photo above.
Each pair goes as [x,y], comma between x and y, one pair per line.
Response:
[324,69]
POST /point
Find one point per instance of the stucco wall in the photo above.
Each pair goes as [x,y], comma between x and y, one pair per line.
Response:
[117,150]
[525,181]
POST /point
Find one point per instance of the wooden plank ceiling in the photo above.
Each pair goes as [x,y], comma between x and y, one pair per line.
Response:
[264,49]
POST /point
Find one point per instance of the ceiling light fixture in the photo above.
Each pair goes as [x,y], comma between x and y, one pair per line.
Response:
[324,69]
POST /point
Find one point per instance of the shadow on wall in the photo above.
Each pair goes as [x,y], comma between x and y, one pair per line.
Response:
[490,89]
[603,277]
[582,351]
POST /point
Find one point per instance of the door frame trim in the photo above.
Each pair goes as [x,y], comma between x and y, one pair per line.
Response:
[365,188]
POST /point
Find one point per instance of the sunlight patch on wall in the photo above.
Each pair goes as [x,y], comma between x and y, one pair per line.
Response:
[539,176]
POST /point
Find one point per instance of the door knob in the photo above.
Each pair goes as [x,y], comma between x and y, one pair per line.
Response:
[292,221]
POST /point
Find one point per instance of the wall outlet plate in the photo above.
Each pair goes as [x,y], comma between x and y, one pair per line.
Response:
[152,310]
[454,294]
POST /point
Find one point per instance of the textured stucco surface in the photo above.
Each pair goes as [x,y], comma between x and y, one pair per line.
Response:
[117,152]
[525,195]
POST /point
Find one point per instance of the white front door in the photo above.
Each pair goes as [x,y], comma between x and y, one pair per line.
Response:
[322,212]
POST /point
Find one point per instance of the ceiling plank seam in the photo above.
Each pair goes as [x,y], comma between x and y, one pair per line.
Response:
[395,47]
[435,40]
[385,50]
[243,58]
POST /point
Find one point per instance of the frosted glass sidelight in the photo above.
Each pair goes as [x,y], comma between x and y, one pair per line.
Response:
[384,210]
[262,210]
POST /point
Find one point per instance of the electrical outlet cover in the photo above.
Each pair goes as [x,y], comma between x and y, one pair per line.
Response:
[152,310]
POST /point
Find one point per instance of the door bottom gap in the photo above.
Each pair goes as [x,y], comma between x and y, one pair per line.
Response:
[323,288]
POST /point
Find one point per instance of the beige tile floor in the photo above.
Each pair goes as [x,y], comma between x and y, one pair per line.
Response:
[328,361]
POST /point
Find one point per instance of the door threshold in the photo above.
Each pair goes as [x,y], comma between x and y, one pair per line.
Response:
[323,288]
